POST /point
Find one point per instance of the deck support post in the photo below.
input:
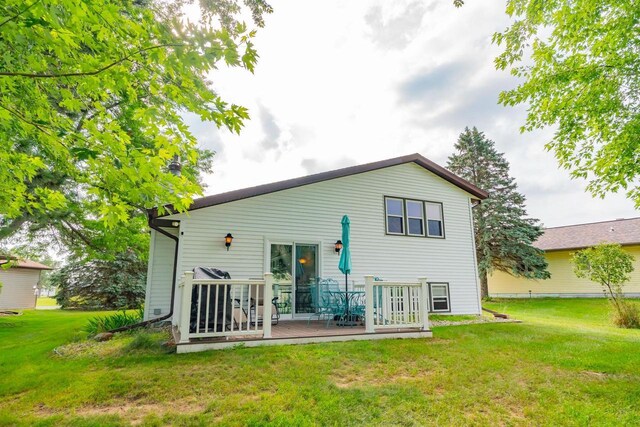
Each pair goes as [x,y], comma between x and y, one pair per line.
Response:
[424,301]
[185,305]
[267,310]
[368,304]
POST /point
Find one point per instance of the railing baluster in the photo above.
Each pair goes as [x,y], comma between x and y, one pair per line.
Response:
[387,306]
[199,305]
[249,307]
[224,306]
[206,316]
[264,303]
[405,304]
[242,314]
[215,307]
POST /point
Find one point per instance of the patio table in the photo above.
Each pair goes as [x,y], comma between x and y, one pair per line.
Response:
[347,297]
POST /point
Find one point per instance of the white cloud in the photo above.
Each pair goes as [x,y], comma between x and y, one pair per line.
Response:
[341,83]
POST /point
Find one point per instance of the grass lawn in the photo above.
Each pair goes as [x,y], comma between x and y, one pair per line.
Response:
[46,302]
[564,365]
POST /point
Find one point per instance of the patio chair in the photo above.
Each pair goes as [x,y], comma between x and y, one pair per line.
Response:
[357,305]
[246,309]
[320,302]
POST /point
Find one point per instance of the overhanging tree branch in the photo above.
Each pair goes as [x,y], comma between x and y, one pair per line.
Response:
[88,73]
[11,18]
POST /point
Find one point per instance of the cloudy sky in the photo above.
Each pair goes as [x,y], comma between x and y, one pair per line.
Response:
[344,83]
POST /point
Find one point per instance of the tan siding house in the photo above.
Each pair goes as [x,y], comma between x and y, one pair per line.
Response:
[559,244]
[19,283]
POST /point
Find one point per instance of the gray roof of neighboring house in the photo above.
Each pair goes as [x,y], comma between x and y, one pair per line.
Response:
[245,193]
[622,231]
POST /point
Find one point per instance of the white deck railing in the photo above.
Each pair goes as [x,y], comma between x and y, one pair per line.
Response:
[393,305]
[232,308]
[225,307]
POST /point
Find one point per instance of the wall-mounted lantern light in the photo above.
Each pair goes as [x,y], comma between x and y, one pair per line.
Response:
[338,246]
[227,240]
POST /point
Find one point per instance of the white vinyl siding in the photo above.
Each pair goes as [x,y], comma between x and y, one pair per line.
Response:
[312,214]
[17,287]
[159,274]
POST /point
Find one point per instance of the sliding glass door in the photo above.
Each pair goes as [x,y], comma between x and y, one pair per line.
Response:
[306,274]
[295,269]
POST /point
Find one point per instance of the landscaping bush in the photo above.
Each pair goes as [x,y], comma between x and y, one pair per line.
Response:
[100,324]
[627,315]
[609,265]
[102,284]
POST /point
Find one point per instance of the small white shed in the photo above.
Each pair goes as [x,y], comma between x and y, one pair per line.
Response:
[19,283]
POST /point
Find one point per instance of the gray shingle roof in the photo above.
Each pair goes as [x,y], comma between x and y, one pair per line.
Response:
[622,231]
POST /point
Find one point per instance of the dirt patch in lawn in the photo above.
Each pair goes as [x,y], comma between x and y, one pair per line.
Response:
[134,413]
[352,379]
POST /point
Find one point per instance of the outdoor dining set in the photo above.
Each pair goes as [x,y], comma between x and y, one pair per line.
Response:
[322,299]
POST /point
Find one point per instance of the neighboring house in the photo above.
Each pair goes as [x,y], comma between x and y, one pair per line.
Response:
[19,284]
[559,243]
[410,219]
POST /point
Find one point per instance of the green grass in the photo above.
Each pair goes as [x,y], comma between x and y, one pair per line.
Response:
[46,302]
[565,365]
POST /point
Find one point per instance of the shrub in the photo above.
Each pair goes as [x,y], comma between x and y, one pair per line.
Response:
[102,284]
[609,265]
[100,324]
[627,315]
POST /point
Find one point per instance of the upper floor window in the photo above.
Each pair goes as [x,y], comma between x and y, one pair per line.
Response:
[395,216]
[413,217]
[435,220]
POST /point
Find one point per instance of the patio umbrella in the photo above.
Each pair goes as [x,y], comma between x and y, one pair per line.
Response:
[345,256]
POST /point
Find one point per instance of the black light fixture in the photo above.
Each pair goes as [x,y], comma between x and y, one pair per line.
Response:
[338,246]
[227,240]
[175,168]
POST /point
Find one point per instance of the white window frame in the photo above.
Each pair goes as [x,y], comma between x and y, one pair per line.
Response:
[441,219]
[421,218]
[447,297]
[387,215]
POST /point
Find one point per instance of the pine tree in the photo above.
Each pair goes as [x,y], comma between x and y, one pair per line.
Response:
[503,232]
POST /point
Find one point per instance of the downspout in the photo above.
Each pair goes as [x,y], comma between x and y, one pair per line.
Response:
[173,281]
[175,168]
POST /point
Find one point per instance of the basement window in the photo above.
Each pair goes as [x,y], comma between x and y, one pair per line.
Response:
[439,297]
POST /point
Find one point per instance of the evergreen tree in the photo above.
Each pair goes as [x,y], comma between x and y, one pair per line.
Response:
[503,232]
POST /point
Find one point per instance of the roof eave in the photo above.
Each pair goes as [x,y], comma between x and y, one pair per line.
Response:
[263,189]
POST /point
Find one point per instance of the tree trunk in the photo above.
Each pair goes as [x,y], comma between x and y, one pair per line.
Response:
[484,285]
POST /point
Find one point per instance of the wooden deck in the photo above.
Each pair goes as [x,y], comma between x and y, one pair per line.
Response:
[299,332]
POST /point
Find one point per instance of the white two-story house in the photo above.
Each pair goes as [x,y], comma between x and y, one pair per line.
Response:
[410,220]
